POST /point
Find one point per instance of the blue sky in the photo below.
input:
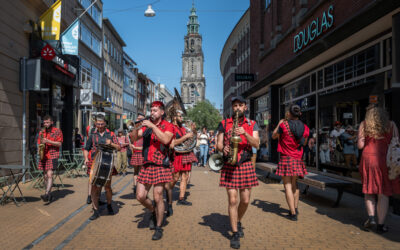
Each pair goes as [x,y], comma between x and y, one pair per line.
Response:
[156,44]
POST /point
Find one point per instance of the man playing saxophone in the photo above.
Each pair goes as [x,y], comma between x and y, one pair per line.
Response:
[236,137]
[49,140]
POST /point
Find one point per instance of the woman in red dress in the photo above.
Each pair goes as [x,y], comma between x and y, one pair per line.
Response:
[374,135]
[292,134]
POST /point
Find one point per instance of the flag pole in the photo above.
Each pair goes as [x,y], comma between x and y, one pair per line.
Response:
[95,1]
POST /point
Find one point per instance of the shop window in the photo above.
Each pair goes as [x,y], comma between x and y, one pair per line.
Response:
[320,79]
[349,68]
[340,71]
[329,80]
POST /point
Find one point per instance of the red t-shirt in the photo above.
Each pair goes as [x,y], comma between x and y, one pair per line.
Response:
[154,152]
[288,145]
[138,143]
[52,134]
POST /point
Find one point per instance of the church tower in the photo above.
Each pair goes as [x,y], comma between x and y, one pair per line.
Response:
[193,82]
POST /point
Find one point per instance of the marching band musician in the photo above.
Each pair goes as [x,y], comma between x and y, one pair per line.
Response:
[240,176]
[137,156]
[157,135]
[100,136]
[52,138]
[182,161]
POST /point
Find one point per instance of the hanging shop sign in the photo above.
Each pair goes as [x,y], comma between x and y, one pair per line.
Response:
[48,53]
[64,67]
[244,77]
[313,30]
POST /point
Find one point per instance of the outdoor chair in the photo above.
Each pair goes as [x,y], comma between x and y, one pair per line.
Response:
[68,163]
[35,173]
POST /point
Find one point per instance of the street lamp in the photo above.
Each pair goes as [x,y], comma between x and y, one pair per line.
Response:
[149,12]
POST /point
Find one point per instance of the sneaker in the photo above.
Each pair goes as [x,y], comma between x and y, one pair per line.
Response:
[110,209]
[158,233]
[235,241]
[240,230]
[95,215]
[153,221]
[170,211]
[89,199]
[45,197]
[381,228]
[183,202]
[369,224]
[292,217]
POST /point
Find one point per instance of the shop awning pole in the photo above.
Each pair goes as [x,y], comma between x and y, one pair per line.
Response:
[23,79]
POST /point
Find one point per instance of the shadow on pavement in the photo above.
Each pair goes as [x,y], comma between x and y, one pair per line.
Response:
[218,223]
[31,199]
[59,194]
[129,196]
[270,207]
[143,219]
[350,212]
[116,205]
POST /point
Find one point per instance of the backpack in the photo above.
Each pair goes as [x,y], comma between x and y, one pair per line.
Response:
[393,155]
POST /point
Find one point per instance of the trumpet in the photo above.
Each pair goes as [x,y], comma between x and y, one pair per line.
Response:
[131,124]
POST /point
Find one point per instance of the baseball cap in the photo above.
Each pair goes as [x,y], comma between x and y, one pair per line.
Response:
[238,98]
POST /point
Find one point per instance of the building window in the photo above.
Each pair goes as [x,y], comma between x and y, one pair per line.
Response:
[90,76]
[94,11]
[88,38]
[267,3]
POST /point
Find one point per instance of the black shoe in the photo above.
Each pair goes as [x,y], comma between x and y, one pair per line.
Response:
[170,211]
[95,215]
[45,197]
[102,203]
[240,230]
[153,221]
[50,198]
[381,228]
[235,241]
[158,233]
[110,209]
[183,202]
[292,217]
[369,224]
[89,200]
[297,211]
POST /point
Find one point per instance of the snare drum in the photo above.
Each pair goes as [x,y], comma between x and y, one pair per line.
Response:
[102,167]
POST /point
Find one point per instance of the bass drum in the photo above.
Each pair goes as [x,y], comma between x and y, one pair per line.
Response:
[102,167]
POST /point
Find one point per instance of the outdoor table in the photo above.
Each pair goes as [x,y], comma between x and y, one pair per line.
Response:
[15,180]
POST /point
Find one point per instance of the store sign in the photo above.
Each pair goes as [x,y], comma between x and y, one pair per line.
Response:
[313,30]
[64,67]
[48,53]
[373,99]
[244,77]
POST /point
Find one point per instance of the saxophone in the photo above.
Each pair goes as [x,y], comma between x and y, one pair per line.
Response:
[41,146]
[234,142]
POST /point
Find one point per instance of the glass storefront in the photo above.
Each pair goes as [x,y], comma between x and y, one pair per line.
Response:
[333,100]
[263,119]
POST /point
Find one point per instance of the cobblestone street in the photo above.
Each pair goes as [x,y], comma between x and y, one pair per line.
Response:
[64,223]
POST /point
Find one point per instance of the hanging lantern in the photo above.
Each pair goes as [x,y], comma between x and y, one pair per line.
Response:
[149,12]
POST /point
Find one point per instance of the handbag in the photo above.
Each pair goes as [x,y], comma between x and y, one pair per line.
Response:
[393,155]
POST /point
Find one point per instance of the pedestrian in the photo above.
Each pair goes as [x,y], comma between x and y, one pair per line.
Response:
[78,139]
[203,137]
[122,158]
[101,135]
[238,177]
[292,134]
[336,143]
[375,134]
[349,138]
[49,140]
[137,156]
[211,143]
[157,134]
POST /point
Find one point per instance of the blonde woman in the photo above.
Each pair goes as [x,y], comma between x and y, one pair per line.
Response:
[374,136]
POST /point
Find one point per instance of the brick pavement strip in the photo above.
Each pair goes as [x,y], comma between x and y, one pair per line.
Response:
[205,225]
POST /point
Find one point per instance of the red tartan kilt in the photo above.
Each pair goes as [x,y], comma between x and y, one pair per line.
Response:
[48,164]
[137,159]
[154,174]
[238,177]
[289,166]
[188,158]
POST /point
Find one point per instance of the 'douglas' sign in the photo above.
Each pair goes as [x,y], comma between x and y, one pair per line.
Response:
[313,30]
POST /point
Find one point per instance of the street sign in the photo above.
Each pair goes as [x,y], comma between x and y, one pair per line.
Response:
[86,97]
[101,104]
[48,53]
[244,77]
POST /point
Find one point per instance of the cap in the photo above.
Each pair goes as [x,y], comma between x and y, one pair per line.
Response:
[238,98]
[338,123]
